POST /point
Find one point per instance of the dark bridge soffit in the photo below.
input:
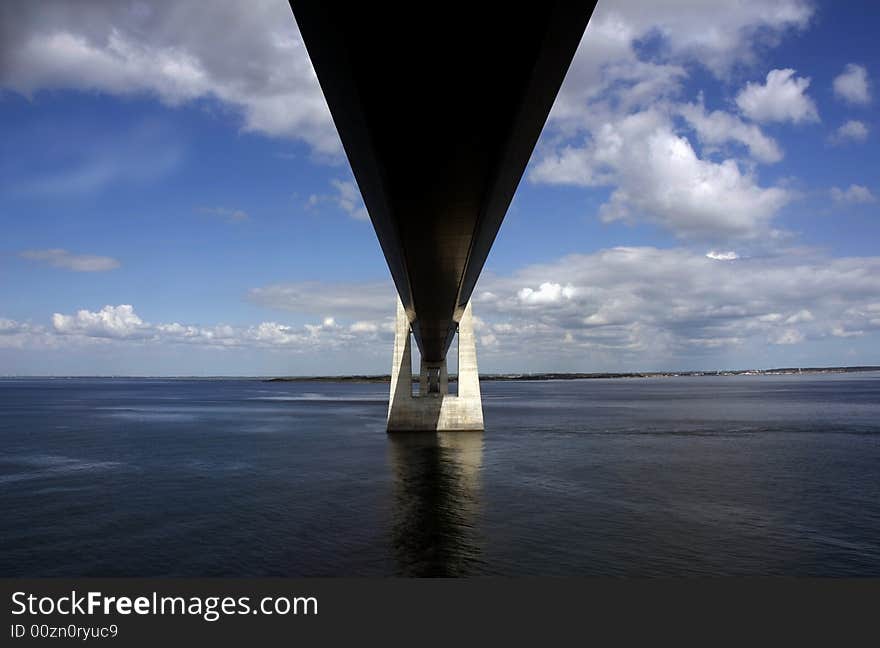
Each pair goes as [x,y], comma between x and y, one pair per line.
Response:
[439,106]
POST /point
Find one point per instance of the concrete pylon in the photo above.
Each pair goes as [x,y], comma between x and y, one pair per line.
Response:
[433,409]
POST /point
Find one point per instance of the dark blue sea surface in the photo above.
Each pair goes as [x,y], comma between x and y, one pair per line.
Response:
[690,476]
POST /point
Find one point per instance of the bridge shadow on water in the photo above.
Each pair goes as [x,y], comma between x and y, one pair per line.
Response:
[437,500]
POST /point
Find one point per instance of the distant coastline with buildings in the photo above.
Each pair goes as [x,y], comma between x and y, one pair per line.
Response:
[499,377]
[779,371]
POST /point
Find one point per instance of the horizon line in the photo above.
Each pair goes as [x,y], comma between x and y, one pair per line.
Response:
[506,374]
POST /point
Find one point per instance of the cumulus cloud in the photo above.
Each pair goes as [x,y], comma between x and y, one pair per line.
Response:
[21,335]
[171,50]
[111,322]
[260,68]
[659,177]
[718,127]
[722,256]
[852,85]
[717,36]
[676,303]
[547,293]
[850,131]
[781,98]
[9,327]
[621,307]
[620,121]
[121,324]
[637,305]
[60,258]
[854,194]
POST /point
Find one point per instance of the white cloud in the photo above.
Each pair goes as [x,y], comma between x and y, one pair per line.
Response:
[852,85]
[60,258]
[9,327]
[856,194]
[722,256]
[23,335]
[850,131]
[616,122]
[782,98]
[122,324]
[659,177]
[802,315]
[839,331]
[718,127]
[362,326]
[274,334]
[348,197]
[110,322]
[633,307]
[788,336]
[640,304]
[172,50]
[547,293]
[718,36]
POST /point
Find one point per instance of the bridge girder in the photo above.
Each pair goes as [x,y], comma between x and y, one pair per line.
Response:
[439,106]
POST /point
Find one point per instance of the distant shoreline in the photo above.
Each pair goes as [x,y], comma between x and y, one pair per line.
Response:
[384,378]
[780,371]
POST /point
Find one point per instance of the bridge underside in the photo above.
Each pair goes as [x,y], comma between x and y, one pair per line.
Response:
[439,106]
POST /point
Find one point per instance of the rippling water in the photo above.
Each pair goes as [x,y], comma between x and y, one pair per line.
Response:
[672,476]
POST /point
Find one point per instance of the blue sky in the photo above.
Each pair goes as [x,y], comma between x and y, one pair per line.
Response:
[704,195]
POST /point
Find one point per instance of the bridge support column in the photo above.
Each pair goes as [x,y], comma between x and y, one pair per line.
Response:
[433,409]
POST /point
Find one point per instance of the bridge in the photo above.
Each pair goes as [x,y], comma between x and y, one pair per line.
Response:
[438,106]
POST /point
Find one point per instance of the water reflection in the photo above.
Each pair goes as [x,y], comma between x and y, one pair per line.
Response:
[437,492]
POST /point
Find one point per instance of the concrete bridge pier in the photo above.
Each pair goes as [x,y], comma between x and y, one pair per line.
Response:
[433,409]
